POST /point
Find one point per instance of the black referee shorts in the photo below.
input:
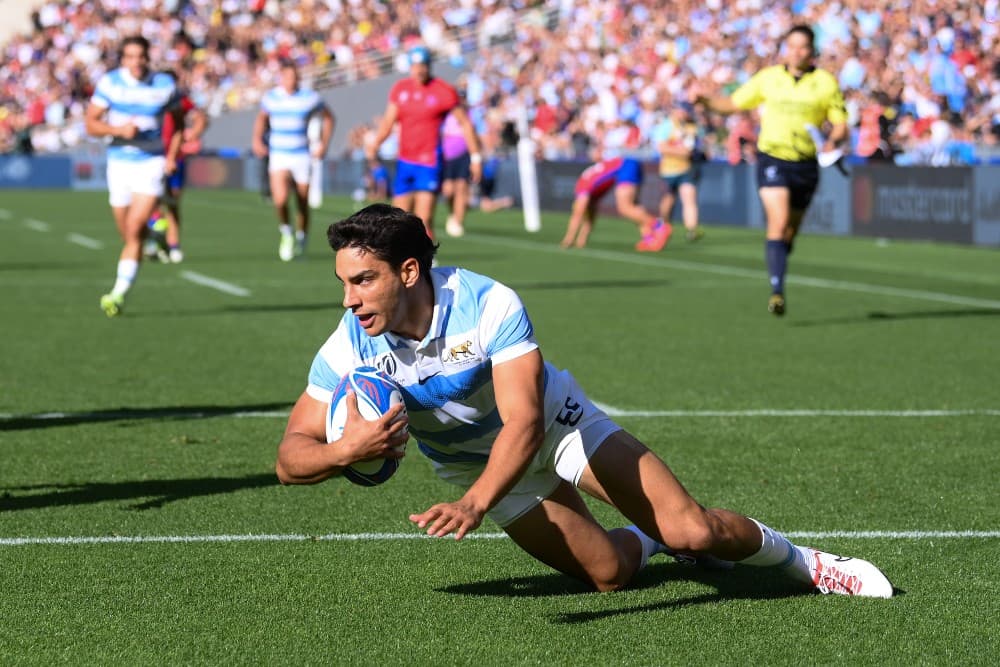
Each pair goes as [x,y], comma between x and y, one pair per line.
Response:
[801,178]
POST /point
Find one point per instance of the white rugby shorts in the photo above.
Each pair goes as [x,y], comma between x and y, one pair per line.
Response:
[295,163]
[134,177]
[570,441]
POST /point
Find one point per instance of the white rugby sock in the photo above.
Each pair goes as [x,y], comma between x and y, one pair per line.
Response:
[127,270]
[649,545]
[777,551]
[285,230]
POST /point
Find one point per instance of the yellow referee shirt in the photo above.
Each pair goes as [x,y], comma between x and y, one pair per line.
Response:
[789,105]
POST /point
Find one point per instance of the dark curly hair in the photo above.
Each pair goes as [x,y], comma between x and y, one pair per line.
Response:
[389,233]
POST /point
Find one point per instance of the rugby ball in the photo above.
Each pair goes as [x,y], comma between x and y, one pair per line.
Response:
[376,393]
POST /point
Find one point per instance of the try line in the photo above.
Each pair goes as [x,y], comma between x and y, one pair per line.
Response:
[392,537]
[194,413]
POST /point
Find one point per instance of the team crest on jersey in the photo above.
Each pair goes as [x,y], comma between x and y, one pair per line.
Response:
[403,96]
[459,353]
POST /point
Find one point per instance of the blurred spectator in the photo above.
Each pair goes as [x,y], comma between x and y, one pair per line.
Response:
[582,66]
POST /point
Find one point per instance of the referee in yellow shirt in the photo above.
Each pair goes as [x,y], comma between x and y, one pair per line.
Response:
[794,97]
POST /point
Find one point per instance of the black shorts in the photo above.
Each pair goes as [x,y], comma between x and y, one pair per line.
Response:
[458,169]
[801,178]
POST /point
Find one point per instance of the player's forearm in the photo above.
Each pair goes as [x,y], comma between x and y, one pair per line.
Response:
[99,128]
[719,104]
[174,149]
[516,445]
[199,123]
[305,460]
[837,134]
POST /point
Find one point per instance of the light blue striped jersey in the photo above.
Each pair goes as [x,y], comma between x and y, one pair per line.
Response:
[144,103]
[446,378]
[288,118]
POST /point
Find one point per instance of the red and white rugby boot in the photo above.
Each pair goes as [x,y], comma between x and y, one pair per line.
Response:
[841,575]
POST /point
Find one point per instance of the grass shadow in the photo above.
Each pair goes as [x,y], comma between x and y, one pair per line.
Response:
[50,419]
[883,316]
[742,583]
[151,494]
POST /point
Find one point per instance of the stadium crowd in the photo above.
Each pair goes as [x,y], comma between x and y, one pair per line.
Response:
[599,74]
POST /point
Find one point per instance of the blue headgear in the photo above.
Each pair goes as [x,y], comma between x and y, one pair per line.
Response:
[420,54]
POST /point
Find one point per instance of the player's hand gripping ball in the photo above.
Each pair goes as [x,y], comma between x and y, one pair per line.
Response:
[376,394]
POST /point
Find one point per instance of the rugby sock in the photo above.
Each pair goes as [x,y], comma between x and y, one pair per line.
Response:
[127,270]
[300,235]
[286,230]
[776,253]
[649,545]
[777,551]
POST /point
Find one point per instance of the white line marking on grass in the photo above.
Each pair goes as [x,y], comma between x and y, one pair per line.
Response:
[5,214]
[37,225]
[147,413]
[392,537]
[85,241]
[617,412]
[215,283]
[744,273]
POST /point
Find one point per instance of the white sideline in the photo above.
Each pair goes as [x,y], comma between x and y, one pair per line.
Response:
[85,416]
[381,537]
[215,283]
[720,269]
[85,241]
[616,412]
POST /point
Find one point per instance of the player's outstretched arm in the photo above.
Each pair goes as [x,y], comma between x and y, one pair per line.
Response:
[518,385]
[304,456]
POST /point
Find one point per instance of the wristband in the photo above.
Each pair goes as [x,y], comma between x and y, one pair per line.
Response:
[475,158]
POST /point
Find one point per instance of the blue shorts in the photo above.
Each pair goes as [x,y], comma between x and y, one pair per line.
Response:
[801,178]
[412,177]
[630,173]
[674,182]
[457,169]
[175,181]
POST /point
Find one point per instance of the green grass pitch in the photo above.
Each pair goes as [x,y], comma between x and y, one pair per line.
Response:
[141,522]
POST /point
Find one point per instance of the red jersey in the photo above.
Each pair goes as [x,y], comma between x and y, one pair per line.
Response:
[168,121]
[422,110]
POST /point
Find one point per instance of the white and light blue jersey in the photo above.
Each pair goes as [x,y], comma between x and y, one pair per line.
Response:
[143,103]
[447,378]
[288,118]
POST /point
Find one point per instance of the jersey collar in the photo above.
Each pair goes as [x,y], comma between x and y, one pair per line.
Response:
[808,70]
[443,301]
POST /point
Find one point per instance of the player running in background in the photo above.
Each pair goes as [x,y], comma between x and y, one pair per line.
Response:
[796,95]
[284,115]
[624,175]
[129,105]
[516,434]
[676,139]
[456,174]
[165,223]
[420,103]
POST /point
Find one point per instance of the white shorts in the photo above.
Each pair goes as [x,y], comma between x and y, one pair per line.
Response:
[564,455]
[134,177]
[297,164]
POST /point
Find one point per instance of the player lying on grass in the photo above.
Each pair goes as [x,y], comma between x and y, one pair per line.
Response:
[519,436]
